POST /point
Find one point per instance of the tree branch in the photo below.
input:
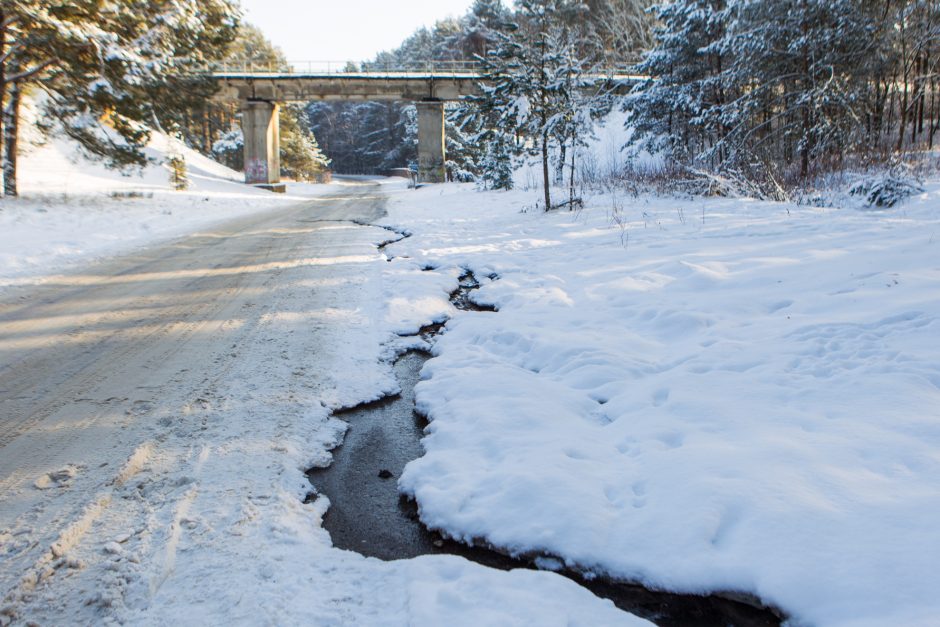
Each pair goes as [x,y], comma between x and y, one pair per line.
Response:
[25,74]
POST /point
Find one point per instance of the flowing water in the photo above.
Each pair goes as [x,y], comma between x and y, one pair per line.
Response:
[367,515]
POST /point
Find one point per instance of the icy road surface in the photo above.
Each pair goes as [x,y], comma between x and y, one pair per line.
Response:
[156,415]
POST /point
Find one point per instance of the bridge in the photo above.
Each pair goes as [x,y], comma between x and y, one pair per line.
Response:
[261,88]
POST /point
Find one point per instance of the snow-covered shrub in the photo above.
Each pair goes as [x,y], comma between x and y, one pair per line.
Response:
[749,181]
[229,150]
[888,188]
[458,174]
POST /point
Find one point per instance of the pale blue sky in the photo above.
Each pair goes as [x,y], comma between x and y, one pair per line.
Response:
[339,30]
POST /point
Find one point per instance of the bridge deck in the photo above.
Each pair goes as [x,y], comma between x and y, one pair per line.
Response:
[404,75]
[286,86]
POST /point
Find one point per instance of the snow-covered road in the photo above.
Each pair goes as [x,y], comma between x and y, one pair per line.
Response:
[104,369]
[157,412]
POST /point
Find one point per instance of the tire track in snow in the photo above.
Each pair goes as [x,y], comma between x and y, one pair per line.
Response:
[108,530]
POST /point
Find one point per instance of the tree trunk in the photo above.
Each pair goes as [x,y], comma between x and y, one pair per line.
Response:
[3,89]
[915,101]
[924,69]
[807,112]
[10,140]
[546,183]
[206,131]
[806,143]
[571,175]
[889,123]
[933,123]
[906,68]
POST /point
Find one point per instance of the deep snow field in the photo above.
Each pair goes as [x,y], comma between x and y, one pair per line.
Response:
[715,395]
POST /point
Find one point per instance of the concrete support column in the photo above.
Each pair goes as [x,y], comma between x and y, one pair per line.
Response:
[261,131]
[430,141]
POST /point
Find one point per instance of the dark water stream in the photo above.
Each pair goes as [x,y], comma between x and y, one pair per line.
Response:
[367,515]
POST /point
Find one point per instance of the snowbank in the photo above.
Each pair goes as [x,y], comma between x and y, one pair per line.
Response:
[72,211]
[720,395]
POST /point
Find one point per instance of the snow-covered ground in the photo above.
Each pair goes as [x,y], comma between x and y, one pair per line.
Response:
[163,483]
[702,395]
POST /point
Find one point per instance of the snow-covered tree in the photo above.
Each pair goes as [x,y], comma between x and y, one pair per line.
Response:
[485,19]
[669,113]
[230,149]
[771,89]
[798,70]
[496,163]
[107,67]
[534,84]
[367,137]
[461,147]
[624,27]
[301,157]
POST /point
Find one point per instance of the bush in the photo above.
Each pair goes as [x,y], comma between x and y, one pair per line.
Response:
[178,176]
[890,188]
[230,150]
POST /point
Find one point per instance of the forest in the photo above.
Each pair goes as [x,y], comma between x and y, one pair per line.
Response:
[763,97]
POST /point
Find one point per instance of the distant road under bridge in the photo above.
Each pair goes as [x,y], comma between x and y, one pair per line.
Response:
[261,89]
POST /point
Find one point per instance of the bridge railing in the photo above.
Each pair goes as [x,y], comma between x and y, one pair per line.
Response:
[339,68]
[344,67]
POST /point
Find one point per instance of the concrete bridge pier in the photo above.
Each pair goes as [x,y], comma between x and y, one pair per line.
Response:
[431,141]
[261,131]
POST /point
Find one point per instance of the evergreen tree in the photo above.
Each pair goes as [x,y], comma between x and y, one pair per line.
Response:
[230,150]
[178,175]
[301,157]
[797,69]
[404,152]
[669,114]
[107,67]
[485,19]
[496,163]
[532,83]
[769,90]
[251,48]
[365,138]
[461,148]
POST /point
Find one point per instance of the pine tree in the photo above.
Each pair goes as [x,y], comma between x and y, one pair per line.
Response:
[230,150]
[532,84]
[107,67]
[497,163]
[301,157]
[485,19]
[461,148]
[771,90]
[178,176]
[798,69]
[669,113]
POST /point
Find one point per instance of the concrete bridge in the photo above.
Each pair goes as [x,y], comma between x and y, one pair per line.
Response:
[260,89]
